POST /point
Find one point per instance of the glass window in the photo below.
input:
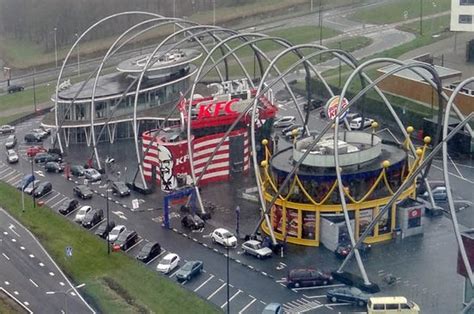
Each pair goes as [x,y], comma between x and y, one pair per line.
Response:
[292,222]
[385,222]
[365,217]
[391,306]
[466,2]
[309,225]
[277,218]
[465,19]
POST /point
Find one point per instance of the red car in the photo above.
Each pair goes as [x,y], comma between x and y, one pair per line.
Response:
[33,150]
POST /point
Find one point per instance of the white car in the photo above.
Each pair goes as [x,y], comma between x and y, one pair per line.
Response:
[254,247]
[355,123]
[29,188]
[115,232]
[224,237]
[41,133]
[7,129]
[92,174]
[82,213]
[12,156]
[283,122]
[168,263]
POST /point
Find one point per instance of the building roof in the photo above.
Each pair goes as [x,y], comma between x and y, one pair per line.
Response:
[444,73]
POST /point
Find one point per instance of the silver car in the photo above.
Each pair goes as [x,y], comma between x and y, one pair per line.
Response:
[254,247]
[11,142]
[92,174]
[12,156]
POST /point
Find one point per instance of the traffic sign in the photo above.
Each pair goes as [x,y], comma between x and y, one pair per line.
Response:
[68,251]
[135,204]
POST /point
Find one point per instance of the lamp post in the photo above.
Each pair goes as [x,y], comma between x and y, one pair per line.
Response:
[421,17]
[65,294]
[33,174]
[55,47]
[107,210]
[228,303]
[78,61]
[214,12]
[320,20]
[34,89]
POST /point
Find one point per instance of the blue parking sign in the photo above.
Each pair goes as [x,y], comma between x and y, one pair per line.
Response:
[68,251]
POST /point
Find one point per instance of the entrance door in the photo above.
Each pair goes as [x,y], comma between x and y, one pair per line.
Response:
[236,153]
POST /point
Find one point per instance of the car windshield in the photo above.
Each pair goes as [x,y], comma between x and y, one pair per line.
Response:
[115,231]
[227,235]
[83,210]
[11,153]
[166,260]
[187,266]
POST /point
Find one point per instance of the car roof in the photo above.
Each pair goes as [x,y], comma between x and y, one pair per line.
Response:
[252,242]
[170,255]
[221,230]
[119,227]
[85,206]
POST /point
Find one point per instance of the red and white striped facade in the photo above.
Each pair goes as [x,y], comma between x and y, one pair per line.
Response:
[203,147]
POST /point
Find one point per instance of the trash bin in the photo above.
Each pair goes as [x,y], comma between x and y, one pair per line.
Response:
[397,234]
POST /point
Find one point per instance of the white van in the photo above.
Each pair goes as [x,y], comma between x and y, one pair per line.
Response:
[388,305]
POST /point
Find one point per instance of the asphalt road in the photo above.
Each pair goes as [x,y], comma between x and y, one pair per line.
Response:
[28,273]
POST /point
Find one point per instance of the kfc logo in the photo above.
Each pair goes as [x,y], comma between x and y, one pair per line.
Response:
[168,180]
[215,109]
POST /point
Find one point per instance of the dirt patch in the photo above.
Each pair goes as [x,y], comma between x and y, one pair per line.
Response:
[9,306]
[124,295]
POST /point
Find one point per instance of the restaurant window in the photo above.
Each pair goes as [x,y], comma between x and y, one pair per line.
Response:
[465,19]
[309,225]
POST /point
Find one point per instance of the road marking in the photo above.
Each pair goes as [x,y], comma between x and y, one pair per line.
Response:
[51,274]
[163,251]
[32,256]
[314,296]
[7,283]
[134,245]
[13,240]
[8,174]
[337,304]
[6,256]
[34,283]
[41,264]
[62,283]
[230,300]
[12,229]
[22,248]
[317,287]
[202,285]
[13,178]
[215,292]
[248,305]
[96,225]
[174,273]
[60,201]
[16,292]
[52,198]
[4,170]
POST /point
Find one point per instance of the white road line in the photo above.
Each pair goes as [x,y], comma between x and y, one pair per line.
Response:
[8,174]
[202,285]
[34,283]
[336,304]
[14,178]
[314,296]
[317,287]
[96,225]
[4,170]
[17,182]
[57,203]
[248,305]
[52,198]
[133,245]
[174,273]
[231,298]
[16,300]
[6,256]
[163,251]
[215,292]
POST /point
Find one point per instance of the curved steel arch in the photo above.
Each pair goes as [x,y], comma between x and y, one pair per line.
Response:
[452,210]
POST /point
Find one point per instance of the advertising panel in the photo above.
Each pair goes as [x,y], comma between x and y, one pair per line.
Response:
[331,107]
[365,217]
[173,160]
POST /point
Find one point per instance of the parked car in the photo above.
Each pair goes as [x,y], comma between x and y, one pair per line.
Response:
[15,88]
[29,189]
[52,166]
[33,150]
[352,115]
[284,122]
[43,189]
[46,157]
[10,142]
[348,294]
[92,218]
[356,123]
[189,270]
[12,156]
[4,129]
[40,132]
[126,240]
[68,206]
[82,191]
[168,263]
[439,194]
[343,249]
[46,129]
[120,188]
[307,277]
[149,251]
[254,247]
[82,213]
[290,135]
[273,308]
[115,232]
[32,138]
[392,305]
[24,181]
[104,228]
[92,175]
[193,222]
[224,237]
[291,128]
[77,170]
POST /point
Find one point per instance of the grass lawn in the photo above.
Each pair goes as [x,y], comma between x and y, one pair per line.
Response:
[115,283]
[26,97]
[397,11]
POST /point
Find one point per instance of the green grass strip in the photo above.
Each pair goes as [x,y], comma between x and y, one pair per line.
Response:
[115,283]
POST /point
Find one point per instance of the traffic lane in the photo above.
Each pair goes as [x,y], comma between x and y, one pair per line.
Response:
[34,262]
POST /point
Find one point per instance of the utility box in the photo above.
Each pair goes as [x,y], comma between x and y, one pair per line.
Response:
[333,231]
[410,217]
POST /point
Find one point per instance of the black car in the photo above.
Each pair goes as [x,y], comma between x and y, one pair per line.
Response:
[149,251]
[192,222]
[68,206]
[77,170]
[120,188]
[46,157]
[53,166]
[307,277]
[82,191]
[92,218]
[15,88]
[126,239]
[348,294]
[32,138]
[43,189]
[104,229]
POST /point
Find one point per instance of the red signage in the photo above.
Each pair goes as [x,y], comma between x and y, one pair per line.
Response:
[217,108]
[331,107]
[415,213]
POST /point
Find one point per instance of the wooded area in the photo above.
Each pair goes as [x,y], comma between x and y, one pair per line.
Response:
[38,20]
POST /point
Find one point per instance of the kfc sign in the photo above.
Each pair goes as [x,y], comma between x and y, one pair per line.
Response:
[207,110]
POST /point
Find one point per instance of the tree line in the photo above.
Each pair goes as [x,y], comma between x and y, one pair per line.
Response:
[42,21]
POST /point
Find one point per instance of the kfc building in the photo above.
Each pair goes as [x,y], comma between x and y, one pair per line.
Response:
[166,157]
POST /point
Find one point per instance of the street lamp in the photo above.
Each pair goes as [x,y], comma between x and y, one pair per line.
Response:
[228,284]
[214,12]
[107,210]
[320,18]
[65,294]
[421,17]
[78,63]
[55,47]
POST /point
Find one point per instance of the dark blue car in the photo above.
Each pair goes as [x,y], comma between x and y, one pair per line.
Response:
[348,294]
[189,270]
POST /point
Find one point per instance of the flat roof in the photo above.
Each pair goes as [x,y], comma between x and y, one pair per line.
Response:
[172,59]
[443,72]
